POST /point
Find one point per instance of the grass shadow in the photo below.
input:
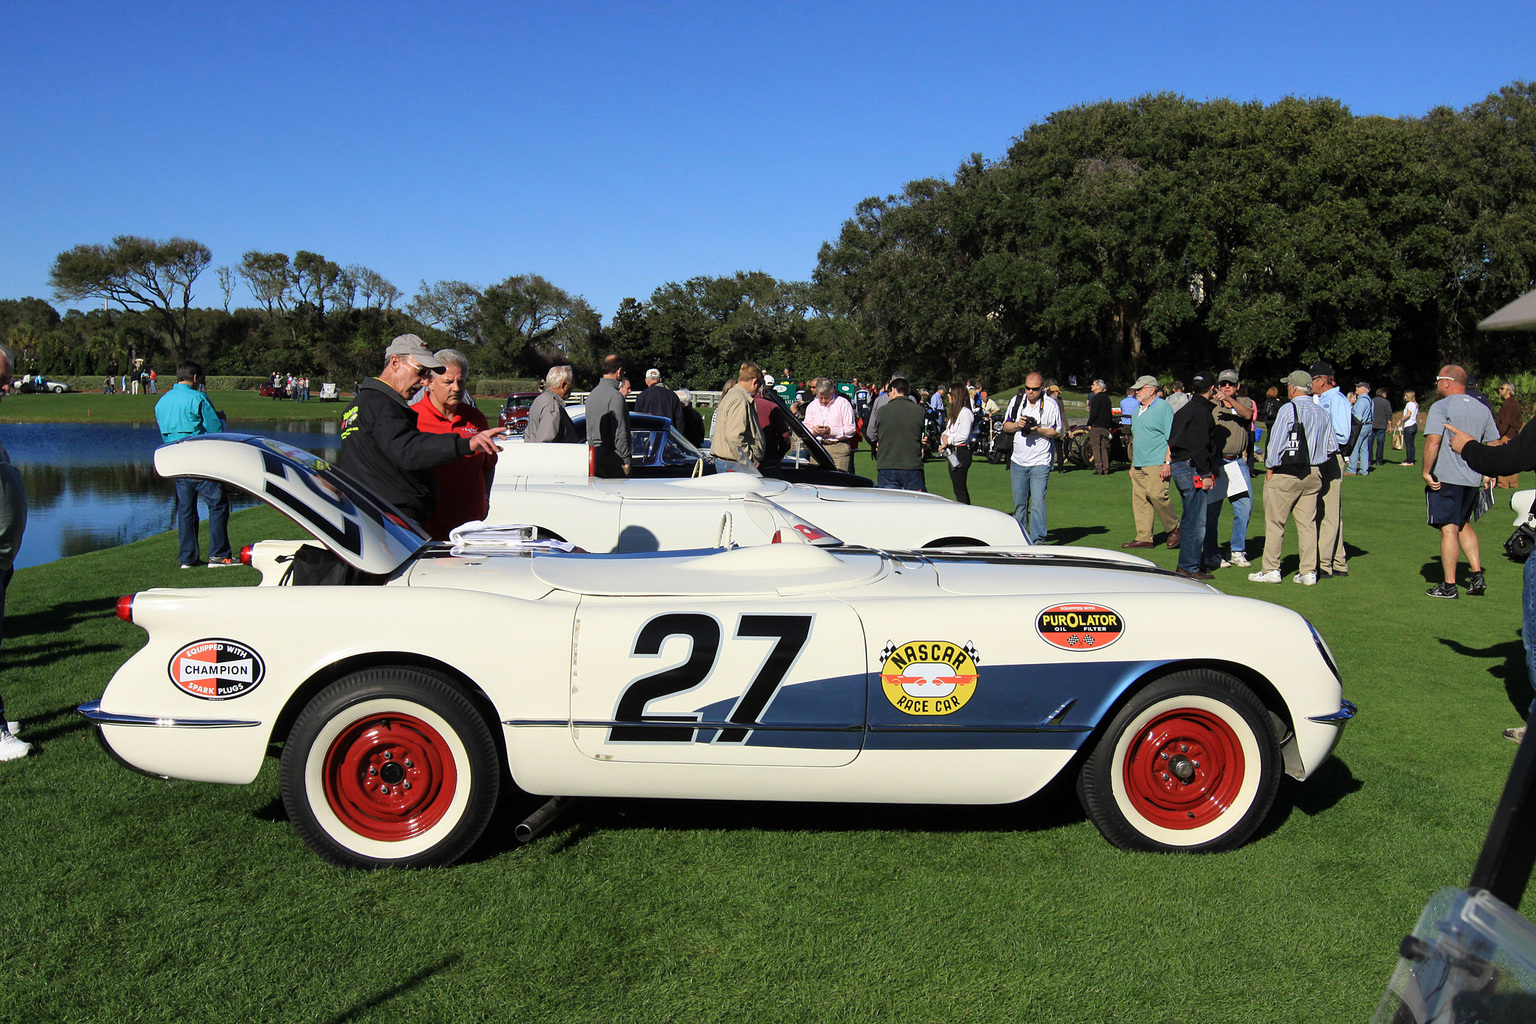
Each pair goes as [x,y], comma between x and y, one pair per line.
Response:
[1509,659]
[18,656]
[57,618]
[425,974]
[1323,790]
[1073,534]
[1053,807]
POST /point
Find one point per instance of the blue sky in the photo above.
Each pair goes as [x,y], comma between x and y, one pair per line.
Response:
[613,147]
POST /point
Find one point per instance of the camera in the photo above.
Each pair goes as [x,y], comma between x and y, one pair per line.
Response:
[1030,423]
[1521,543]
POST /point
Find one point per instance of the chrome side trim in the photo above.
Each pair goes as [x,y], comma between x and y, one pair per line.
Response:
[1345,713]
[92,711]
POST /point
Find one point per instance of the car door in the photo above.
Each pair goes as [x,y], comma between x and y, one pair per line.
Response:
[754,680]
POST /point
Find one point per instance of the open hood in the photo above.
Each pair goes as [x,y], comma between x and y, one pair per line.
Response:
[363,531]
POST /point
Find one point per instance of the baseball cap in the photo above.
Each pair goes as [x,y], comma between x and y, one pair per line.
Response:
[1144,380]
[1228,377]
[411,345]
[1321,369]
[653,374]
[768,380]
[1299,379]
[1202,381]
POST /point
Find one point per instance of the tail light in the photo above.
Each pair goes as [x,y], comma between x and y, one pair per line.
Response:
[591,461]
[245,554]
[125,607]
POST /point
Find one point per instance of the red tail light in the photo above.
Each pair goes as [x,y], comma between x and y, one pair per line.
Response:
[125,607]
[591,461]
[245,554]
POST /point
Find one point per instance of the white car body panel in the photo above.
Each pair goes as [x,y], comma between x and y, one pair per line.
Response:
[547,485]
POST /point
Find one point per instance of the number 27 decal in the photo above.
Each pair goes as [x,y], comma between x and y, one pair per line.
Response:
[789,633]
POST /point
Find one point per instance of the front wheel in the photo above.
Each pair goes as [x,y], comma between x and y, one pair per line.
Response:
[1190,763]
[390,767]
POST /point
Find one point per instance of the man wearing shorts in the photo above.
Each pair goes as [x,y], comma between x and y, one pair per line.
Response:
[1451,486]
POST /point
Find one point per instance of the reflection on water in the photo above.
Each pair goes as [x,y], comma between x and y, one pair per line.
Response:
[93,486]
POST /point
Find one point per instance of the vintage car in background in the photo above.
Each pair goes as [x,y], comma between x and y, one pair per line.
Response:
[796,671]
[550,486]
[659,449]
[514,411]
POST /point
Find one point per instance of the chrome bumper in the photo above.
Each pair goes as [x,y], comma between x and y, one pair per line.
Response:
[91,709]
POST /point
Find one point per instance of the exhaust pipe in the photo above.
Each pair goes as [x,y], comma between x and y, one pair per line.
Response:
[542,818]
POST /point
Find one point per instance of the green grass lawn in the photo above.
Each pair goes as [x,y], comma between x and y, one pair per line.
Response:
[136,899]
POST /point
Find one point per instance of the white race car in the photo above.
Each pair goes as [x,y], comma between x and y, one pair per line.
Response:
[549,486]
[405,682]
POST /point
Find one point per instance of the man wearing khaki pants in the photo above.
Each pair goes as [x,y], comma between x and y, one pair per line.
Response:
[1151,466]
[1292,491]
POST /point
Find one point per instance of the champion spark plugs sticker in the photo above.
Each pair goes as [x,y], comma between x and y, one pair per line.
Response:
[929,677]
[216,669]
[1079,627]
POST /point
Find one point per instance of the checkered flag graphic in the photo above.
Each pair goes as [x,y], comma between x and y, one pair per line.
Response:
[970,648]
[886,651]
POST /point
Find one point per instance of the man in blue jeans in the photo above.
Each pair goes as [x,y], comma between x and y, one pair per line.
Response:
[1195,449]
[186,412]
[1034,421]
[1234,419]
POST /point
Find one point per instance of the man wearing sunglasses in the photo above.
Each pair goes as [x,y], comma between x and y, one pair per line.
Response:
[1035,422]
[382,447]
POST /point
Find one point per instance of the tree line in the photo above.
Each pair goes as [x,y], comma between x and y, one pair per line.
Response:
[1155,235]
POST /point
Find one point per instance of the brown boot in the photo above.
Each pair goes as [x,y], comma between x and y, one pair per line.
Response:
[1173,538]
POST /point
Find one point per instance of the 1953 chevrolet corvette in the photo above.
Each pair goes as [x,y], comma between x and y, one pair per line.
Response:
[406,683]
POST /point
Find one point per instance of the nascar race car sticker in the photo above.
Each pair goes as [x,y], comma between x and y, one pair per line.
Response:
[216,669]
[929,677]
[1079,627]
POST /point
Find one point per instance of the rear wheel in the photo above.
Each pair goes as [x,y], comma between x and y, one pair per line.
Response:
[390,767]
[1190,763]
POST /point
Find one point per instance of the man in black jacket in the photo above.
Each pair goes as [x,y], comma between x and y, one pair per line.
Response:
[381,446]
[1193,444]
[1099,422]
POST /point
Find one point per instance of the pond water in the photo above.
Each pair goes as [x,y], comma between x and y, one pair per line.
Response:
[93,486]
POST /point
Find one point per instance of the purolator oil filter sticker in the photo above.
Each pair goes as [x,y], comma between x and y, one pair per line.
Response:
[1080,627]
[928,677]
[216,669]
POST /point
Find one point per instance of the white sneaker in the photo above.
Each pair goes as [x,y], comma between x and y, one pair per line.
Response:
[1273,576]
[1238,558]
[1306,579]
[14,728]
[11,748]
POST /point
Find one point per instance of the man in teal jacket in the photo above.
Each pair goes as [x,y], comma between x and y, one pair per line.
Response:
[186,412]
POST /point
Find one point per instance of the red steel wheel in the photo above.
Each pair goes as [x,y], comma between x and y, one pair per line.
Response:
[1190,762]
[389,777]
[390,767]
[1184,768]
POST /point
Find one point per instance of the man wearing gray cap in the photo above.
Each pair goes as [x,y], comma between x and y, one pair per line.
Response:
[1295,452]
[1151,465]
[381,446]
